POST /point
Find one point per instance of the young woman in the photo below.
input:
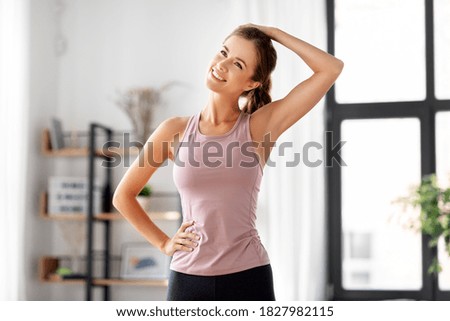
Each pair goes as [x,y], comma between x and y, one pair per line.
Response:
[218,165]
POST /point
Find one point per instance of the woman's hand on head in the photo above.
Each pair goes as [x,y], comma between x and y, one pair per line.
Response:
[268,30]
[182,240]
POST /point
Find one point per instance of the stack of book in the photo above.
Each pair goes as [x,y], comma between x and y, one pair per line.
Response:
[70,195]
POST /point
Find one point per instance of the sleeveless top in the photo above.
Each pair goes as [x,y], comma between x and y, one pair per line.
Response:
[218,178]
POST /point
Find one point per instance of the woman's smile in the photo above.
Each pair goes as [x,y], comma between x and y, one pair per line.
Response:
[216,75]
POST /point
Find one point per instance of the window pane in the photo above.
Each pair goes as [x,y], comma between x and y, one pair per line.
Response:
[383,162]
[442,48]
[443,177]
[382,45]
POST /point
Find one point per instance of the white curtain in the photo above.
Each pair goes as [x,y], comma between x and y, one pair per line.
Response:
[13,131]
[291,207]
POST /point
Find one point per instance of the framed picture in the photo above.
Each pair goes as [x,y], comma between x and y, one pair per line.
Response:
[143,261]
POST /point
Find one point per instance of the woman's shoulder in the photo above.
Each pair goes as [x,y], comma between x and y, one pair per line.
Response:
[175,125]
[174,128]
[174,120]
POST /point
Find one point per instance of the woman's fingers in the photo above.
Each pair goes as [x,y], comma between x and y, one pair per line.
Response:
[189,235]
[185,225]
[180,247]
[268,30]
[185,241]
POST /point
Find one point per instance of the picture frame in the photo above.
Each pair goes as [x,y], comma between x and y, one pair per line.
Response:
[143,261]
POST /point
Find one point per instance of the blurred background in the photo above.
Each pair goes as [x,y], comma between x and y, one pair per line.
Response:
[73,70]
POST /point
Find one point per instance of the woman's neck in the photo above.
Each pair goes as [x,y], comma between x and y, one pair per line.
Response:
[220,108]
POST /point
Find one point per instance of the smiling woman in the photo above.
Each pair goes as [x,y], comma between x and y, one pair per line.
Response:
[217,253]
[247,56]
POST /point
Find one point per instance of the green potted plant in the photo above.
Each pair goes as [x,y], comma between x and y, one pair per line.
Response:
[434,219]
[143,197]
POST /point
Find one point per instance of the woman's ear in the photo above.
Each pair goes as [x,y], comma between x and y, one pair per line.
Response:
[253,85]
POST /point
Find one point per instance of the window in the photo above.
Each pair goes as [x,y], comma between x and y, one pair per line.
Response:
[391,107]
[381,247]
[442,47]
[443,177]
[382,43]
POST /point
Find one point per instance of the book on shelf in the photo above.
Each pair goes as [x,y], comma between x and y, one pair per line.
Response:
[56,134]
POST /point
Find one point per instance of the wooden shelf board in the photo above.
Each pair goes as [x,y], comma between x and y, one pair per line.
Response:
[82,151]
[62,281]
[163,282]
[65,217]
[109,216]
[102,282]
[169,215]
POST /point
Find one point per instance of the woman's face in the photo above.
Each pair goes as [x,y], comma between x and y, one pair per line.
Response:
[232,68]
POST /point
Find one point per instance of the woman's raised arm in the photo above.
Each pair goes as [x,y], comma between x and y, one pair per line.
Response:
[282,114]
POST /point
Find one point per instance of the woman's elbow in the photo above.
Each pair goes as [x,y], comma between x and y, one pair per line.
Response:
[117,199]
[339,65]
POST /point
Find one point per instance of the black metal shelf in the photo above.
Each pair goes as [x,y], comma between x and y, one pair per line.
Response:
[92,218]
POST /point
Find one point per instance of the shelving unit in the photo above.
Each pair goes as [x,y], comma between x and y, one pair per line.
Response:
[49,264]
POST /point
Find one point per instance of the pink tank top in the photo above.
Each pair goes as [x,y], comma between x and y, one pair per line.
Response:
[218,178]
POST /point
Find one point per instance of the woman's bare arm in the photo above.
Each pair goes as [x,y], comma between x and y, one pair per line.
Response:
[282,114]
[154,154]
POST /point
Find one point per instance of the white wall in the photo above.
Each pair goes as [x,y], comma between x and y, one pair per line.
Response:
[111,45]
[43,84]
[117,44]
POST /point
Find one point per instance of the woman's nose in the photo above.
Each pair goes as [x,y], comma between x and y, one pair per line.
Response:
[222,65]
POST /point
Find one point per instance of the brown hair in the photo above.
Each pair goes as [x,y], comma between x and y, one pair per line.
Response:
[266,61]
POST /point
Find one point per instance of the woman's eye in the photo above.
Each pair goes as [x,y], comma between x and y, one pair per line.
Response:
[224,53]
[239,65]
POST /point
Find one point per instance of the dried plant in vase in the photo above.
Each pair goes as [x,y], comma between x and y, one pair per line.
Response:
[139,103]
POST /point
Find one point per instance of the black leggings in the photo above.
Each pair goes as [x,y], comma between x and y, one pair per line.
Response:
[255,284]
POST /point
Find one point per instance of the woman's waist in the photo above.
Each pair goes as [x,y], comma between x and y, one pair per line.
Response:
[223,233]
[212,250]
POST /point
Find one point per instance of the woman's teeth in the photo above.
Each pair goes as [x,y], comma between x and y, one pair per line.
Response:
[217,76]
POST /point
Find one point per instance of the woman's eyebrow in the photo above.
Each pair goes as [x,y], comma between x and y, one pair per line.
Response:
[226,48]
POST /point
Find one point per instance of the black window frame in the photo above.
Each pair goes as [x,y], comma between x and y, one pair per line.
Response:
[336,113]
